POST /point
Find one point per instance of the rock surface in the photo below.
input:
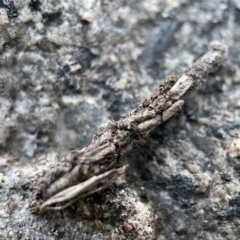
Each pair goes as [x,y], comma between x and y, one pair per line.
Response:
[67,67]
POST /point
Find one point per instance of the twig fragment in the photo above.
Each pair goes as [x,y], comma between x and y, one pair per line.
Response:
[83,170]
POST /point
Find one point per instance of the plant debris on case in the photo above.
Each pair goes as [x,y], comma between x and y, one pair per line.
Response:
[93,168]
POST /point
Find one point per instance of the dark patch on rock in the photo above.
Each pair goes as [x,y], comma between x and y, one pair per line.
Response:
[226,213]
[158,43]
[203,144]
[182,189]
[237,15]
[68,81]
[226,177]
[237,167]
[93,89]
[146,174]
[235,201]
[115,103]
[115,213]
[218,134]
[230,211]
[63,71]
[35,5]
[47,46]
[5,34]
[85,23]
[216,21]
[120,23]
[208,166]
[10,7]
[187,204]
[53,17]
[160,182]
[13,92]
[84,57]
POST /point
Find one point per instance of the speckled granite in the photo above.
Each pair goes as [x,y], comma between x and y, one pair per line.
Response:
[67,67]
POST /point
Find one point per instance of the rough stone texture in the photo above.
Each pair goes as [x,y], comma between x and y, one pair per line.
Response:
[67,67]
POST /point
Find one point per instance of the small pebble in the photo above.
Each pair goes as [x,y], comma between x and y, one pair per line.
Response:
[127,227]
[14,205]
